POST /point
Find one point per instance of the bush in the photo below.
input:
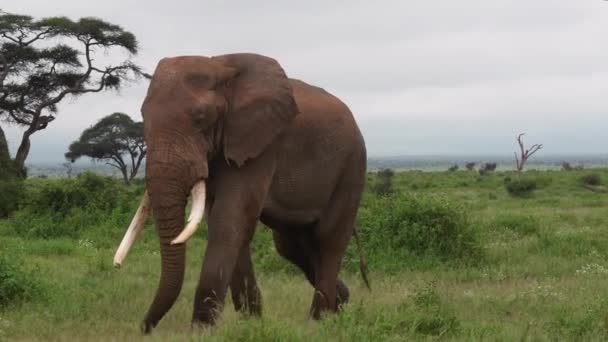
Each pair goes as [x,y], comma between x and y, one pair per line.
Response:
[11,195]
[16,285]
[68,207]
[403,226]
[487,168]
[89,191]
[453,168]
[470,166]
[384,182]
[521,187]
[567,166]
[592,179]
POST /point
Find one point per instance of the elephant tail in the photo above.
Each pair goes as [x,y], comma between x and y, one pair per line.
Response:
[362,260]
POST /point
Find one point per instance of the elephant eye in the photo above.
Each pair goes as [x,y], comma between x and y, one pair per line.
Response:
[204,116]
[199,81]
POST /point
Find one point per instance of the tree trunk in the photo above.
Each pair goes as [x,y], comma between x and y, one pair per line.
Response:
[125,175]
[24,149]
[4,153]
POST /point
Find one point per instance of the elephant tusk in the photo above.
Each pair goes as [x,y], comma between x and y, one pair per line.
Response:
[137,224]
[199,193]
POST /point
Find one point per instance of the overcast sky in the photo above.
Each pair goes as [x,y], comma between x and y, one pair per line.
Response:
[421,77]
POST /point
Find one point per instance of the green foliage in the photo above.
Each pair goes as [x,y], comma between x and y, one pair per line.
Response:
[519,224]
[422,314]
[384,182]
[16,285]
[261,330]
[430,316]
[543,276]
[11,196]
[414,229]
[576,326]
[521,187]
[487,168]
[54,58]
[110,139]
[453,168]
[69,207]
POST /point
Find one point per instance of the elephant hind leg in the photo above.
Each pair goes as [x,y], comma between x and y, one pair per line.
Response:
[301,248]
[246,295]
[334,231]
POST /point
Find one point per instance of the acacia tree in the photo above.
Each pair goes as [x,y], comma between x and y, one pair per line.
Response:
[45,61]
[111,139]
[524,154]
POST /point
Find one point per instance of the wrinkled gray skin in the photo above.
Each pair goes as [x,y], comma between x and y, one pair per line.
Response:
[270,149]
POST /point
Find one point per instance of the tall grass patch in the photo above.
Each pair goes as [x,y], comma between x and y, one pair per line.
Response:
[90,204]
[404,231]
[16,283]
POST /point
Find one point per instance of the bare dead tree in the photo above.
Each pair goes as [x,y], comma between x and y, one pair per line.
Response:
[520,161]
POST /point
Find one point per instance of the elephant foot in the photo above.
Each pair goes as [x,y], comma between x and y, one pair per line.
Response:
[320,303]
[205,318]
[146,327]
[249,303]
[318,299]
[207,308]
[342,293]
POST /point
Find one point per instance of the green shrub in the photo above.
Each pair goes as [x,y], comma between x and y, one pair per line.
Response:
[68,207]
[11,195]
[384,182]
[16,285]
[88,191]
[521,187]
[487,168]
[592,179]
[404,228]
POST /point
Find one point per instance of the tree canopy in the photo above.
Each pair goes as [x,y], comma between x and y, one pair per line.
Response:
[44,61]
[111,139]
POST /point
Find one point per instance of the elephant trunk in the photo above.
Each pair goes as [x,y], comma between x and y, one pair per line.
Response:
[168,201]
[175,165]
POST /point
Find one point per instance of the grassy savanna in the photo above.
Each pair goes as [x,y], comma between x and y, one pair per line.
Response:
[451,256]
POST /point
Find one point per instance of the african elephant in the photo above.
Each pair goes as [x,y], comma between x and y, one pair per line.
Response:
[250,145]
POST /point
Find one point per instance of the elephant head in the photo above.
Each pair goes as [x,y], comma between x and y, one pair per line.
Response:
[198,109]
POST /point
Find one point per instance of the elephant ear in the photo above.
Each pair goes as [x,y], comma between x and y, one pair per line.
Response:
[261,105]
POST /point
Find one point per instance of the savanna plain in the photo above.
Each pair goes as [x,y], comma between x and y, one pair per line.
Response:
[451,256]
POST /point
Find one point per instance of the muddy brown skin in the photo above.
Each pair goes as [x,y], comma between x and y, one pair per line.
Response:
[270,149]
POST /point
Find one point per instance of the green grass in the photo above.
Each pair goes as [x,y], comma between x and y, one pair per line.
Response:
[542,276]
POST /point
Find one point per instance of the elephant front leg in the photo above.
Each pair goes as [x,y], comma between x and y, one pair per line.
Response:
[238,202]
[224,245]
[246,295]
